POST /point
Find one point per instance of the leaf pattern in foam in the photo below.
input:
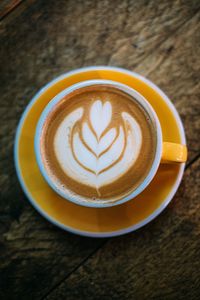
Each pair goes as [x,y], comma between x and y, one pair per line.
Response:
[113,153]
[89,137]
[93,162]
[106,140]
[100,116]
[109,145]
[85,157]
[100,146]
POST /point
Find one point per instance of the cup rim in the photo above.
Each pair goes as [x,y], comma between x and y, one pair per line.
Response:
[157,158]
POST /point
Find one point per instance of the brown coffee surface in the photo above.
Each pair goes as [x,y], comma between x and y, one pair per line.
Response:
[98,144]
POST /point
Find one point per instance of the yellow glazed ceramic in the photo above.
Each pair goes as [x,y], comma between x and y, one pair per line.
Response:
[101,222]
[173,152]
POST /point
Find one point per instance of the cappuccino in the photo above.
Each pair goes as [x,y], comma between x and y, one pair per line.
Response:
[98,143]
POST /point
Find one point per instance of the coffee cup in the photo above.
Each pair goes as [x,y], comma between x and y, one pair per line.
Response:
[99,143]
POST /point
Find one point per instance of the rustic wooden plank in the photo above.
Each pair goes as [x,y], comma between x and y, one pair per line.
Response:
[160,261]
[42,39]
[36,255]
[175,68]
[6,6]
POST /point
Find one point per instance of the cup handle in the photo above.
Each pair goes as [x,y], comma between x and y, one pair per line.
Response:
[173,153]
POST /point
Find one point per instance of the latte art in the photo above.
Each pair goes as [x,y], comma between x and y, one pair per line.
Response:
[93,153]
[97,144]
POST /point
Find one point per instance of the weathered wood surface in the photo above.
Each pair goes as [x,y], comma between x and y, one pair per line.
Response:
[42,39]
[158,262]
[6,6]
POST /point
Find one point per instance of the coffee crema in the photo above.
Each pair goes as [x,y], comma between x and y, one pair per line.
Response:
[98,144]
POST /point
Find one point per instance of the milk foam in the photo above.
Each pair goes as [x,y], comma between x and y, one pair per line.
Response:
[93,152]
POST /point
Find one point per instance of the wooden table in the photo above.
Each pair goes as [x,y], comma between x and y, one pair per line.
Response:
[43,39]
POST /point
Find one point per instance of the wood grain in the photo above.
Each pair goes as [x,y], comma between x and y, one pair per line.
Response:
[43,39]
[173,67]
[160,261]
[7,6]
[36,255]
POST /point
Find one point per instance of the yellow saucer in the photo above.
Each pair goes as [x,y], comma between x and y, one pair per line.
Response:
[98,222]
